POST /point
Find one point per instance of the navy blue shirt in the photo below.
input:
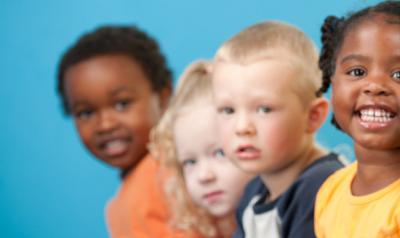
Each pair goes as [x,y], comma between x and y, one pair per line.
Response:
[291,215]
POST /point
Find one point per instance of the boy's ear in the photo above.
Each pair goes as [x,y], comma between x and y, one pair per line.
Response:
[317,114]
[164,97]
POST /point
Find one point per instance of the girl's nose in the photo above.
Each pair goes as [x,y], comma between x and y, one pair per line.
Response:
[206,173]
[376,85]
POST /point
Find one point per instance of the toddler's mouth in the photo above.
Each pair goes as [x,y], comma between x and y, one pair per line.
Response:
[379,115]
[375,117]
[247,152]
[114,147]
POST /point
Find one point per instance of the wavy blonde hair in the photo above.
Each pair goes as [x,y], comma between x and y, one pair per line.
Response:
[194,85]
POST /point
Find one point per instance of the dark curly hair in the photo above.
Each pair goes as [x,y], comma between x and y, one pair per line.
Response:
[109,40]
[334,31]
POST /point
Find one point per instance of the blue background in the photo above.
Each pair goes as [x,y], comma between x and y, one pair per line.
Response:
[49,185]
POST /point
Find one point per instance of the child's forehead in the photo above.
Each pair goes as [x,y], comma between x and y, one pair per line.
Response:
[275,52]
[107,76]
[368,33]
[270,71]
[370,22]
[273,80]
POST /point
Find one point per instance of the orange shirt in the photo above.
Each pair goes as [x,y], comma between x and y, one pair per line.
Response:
[139,209]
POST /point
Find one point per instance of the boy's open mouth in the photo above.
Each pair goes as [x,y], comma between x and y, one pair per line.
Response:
[114,147]
[247,152]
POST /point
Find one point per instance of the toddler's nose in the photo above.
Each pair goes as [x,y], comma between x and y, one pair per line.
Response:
[376,85]
[244,125]
[107,121]
[206,173]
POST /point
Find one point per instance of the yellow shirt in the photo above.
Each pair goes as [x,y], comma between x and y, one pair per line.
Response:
[339,214]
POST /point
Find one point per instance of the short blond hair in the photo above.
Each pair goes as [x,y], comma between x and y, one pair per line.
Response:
[262,40]
[193,85]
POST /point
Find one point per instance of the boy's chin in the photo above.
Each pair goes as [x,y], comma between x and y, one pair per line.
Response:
[121,163]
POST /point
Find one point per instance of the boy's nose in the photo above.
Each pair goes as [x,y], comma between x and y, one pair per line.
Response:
[244,126]
[107,121]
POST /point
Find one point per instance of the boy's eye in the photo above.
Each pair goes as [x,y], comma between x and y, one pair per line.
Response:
[396,76]
[263,109]
[219,153]
[84,114]
[226,110]
[122,104]
[357,72]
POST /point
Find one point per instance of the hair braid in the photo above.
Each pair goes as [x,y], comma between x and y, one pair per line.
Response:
[327,57]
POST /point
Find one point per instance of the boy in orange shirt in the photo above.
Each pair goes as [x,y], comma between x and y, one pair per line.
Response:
[115,83]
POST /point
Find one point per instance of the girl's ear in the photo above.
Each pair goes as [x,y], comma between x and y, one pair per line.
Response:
[317,114]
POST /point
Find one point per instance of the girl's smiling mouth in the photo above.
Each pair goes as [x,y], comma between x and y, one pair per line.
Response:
[375,117]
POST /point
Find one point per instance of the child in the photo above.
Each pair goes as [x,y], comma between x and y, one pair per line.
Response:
[265,81]
[203,185]
[115,83]
[361,58]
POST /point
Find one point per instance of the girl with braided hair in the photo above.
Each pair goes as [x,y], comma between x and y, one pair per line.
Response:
[361,59]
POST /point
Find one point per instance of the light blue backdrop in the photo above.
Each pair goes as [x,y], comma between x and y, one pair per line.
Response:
[49,185]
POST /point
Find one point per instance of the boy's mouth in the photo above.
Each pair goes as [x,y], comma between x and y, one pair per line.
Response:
[114,147]
[247,152]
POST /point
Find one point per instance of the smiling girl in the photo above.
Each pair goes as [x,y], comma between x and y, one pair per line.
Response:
[361,59]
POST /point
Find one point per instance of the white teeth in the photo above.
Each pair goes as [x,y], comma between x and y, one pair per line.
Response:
[376,115]
[370,112]
[115,147]
[114,143]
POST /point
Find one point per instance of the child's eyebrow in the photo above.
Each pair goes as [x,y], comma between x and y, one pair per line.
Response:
[79,103]
[354,57]
[395,58]
[120,89]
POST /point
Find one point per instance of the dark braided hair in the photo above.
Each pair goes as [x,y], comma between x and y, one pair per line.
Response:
[110,40]
[335,29]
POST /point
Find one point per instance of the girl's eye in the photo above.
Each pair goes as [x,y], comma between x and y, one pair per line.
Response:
[263,109]
[226,110]
[219,153]
[188,163]
[122,104]
[84,114]
[357,72]
[396,75]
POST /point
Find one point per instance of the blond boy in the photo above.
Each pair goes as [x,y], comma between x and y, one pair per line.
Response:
[265,81]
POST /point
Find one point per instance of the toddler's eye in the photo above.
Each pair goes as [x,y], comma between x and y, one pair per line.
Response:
[226,110]
[121,105]
[357,72]
[396,75]
[84,114]
[263,109]
[219,153]
[188,163]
